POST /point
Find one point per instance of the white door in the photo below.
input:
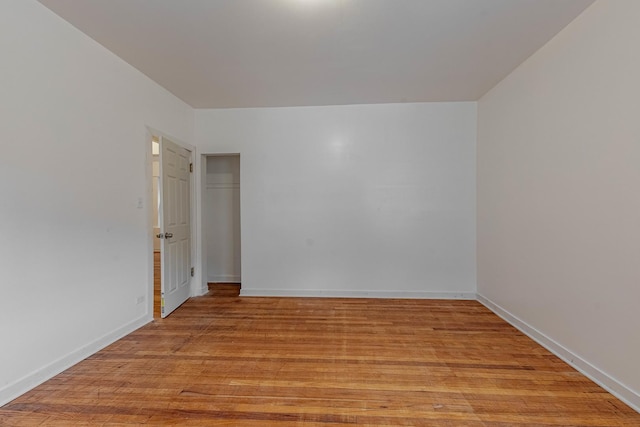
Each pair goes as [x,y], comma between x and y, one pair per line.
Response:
[175,225]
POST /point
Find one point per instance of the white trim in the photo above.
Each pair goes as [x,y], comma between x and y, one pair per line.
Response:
[198,292]
[595,374]
[356,294]
[223,186]
[34,379]
[224,278]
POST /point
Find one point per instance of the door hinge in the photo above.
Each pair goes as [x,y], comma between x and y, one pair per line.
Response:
[190,167]
[193,271]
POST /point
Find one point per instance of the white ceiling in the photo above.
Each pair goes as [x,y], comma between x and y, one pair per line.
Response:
[257,53]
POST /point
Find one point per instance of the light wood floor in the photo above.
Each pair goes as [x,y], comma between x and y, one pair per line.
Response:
[157,281]
[224,360]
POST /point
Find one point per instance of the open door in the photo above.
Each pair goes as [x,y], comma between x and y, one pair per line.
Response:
[175,225]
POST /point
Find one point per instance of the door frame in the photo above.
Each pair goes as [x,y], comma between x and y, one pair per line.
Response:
[194,203]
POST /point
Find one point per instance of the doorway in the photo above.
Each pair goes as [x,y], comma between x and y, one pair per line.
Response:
[155,207]
[221,221]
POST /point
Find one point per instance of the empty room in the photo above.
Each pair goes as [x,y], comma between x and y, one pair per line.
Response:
[320,212]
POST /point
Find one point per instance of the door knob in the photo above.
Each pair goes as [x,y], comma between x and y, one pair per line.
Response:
[160,236]
[168,235]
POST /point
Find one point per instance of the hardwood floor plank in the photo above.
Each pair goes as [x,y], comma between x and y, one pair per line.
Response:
[157,282]
[225,360]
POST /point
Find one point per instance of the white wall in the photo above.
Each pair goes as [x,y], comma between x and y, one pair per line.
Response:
[558,198]
[75,246]
[353,200]
[221,219]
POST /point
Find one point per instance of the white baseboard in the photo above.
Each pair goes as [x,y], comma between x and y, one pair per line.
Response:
[356,294]
[199,291]
[26,383]
[604,380]
[203,291]
[223,278]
